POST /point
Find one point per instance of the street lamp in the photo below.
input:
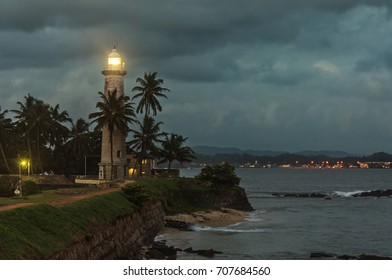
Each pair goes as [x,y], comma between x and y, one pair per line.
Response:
[22,163]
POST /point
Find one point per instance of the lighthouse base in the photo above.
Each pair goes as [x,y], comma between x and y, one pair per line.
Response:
[106,172]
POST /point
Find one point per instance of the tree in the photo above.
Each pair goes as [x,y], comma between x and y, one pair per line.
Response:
[115,112]
[79,142]
[173,149]
[5,128]
[219,175]
[34,119]
[149,90]
[145,140]
[58,132]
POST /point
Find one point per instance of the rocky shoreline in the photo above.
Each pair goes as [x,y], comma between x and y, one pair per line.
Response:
[184,222]
[376,193]
[348,257]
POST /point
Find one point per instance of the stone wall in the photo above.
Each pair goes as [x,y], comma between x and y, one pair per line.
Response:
[121,240]
[125,237]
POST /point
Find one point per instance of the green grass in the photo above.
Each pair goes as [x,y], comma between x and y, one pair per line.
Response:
[45,196]
[37,232]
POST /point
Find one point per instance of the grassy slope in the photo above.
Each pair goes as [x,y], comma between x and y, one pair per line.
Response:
[37,232]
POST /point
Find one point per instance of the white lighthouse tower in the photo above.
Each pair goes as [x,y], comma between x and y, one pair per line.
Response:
[114,73]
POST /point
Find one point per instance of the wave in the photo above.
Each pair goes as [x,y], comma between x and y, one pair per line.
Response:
[345,194]
[225,229]
[255,216]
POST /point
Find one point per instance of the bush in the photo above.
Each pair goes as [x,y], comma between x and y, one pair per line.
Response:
[30,187]
[137,194]
[219,175]
[8,186]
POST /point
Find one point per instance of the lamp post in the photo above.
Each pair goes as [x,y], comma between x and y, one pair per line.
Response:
[22,163]
[20,179]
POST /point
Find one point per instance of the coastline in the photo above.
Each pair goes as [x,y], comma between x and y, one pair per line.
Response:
[221,217]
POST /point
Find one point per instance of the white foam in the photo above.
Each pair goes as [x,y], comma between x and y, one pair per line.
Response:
[224,229]
[255,216]
[345,194]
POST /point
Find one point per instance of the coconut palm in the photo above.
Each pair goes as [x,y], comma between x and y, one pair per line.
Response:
[34,118]
[145,140]
[58,132]
[174,150]
[5,129]
[80,139]
[115,112]
[149,90]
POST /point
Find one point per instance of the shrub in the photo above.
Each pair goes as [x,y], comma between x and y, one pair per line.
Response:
[8,186]
[30,187]
[137,194]
[219,175]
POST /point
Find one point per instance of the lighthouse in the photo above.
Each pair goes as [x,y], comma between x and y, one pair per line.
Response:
[114,72]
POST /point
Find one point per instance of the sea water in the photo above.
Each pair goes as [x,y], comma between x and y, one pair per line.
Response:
[293,228]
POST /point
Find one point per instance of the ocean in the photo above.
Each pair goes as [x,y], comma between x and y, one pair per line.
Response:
[292,228]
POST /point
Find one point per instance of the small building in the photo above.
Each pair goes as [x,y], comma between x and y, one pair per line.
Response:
[148,166]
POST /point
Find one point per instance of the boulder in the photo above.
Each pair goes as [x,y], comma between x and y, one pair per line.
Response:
[183,226]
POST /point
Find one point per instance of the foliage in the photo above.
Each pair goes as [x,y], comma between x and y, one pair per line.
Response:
[115,112]
[148,91]
[42,129]
[219,175]
[30,187]
[174,149]
[137,194]
[8,185]
[145,140]
[6,127]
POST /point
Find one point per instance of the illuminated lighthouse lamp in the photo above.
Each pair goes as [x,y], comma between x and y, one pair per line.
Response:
[115,61]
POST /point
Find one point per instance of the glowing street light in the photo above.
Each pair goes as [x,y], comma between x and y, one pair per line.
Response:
[25,164]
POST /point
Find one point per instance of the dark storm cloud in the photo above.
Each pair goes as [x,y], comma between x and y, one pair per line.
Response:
[273,74]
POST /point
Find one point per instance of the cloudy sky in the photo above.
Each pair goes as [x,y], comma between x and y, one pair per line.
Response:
[254,74]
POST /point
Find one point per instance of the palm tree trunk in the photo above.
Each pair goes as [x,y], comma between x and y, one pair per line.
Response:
[143,151]
[4,158]
[39,153]
[111,154]
[30,154]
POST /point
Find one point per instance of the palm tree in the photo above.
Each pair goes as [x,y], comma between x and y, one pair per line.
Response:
[149,90]
[115,112]
[173,149]
[80,139]
[145,140]
[5,129]
[58,133]
[34,118]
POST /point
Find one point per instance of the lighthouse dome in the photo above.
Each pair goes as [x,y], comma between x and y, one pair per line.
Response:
[115,61]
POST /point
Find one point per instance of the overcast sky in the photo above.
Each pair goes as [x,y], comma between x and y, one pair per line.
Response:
[286,75]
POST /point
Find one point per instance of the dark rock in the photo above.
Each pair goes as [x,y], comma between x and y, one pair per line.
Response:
[373,257]
[310,195]
[321,255]
[188,250]
[156,254]
[377,193]
[346,257]
[183,226]
[206,253]
[167,251]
